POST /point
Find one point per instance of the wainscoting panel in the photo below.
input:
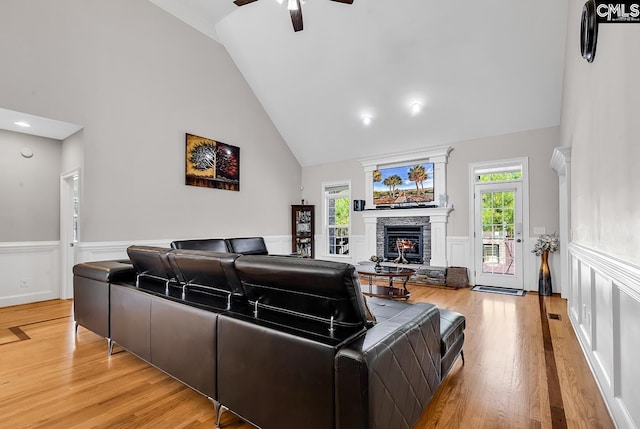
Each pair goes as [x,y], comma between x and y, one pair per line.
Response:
[459,252]
[107,250]
[604,308]
[30,272]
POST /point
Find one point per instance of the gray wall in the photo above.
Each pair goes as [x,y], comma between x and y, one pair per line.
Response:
[537,145]
[137,79]
[29,188]
[601,107]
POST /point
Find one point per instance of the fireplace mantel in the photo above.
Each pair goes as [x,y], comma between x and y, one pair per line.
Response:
[438,217]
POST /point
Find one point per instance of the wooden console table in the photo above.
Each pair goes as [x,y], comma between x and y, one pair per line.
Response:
[392,273]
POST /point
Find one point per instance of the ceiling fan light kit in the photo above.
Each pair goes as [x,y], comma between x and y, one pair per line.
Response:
[294,9]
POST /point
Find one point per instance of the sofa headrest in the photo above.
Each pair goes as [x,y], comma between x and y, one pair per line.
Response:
[211,244]
[307,288]
[151,262]
[248,246]
[204,269]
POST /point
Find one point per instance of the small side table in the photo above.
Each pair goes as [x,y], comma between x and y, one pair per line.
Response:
[392,273]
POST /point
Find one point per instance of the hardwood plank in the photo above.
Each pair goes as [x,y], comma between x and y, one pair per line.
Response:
[56,379]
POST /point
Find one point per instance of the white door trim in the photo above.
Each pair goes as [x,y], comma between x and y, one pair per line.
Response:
[474,168]
[67,252]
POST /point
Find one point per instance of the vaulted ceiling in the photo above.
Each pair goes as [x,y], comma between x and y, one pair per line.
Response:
[479,68]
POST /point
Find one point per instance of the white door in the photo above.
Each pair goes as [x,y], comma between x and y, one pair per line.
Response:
[498,235]
[69,221]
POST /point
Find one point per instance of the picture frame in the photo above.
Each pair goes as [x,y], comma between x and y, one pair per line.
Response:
[211,164]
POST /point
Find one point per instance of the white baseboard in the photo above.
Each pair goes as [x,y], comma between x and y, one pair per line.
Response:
[603,301]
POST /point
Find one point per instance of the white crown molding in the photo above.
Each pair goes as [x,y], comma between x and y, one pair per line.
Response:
[434,154]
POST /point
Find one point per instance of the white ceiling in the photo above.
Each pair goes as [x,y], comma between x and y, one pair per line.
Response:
[39,126]
[481,68]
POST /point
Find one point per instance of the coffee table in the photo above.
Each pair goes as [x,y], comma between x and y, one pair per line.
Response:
[392,273]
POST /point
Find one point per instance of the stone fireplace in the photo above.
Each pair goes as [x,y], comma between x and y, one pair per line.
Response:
[433,223]
[412,233]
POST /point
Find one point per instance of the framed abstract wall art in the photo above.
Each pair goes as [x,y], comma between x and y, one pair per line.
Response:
[211,164]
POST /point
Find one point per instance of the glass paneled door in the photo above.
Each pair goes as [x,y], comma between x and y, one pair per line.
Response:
[498,235]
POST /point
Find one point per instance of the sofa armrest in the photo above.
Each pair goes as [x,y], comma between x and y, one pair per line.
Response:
[386,378]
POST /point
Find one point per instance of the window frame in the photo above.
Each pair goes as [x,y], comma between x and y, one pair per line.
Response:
[326,197]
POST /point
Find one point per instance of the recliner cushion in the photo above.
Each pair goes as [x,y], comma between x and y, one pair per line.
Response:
[210,244]
[151,262]
[307,288]
[205,269]
[248,245]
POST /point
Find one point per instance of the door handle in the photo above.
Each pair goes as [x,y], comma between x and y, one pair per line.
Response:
[519,240]
[71,244]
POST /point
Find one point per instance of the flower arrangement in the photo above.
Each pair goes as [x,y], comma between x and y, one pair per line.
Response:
[546,243]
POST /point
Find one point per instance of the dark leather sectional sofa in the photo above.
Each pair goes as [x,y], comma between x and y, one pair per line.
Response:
[283,342]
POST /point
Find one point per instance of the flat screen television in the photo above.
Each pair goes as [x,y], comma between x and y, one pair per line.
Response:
[410,184]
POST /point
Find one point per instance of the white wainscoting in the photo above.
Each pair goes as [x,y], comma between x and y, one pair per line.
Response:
[459,252]
[604,309]
[107,250]
[30,272]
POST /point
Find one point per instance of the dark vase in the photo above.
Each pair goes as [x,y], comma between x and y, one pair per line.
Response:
[544,278]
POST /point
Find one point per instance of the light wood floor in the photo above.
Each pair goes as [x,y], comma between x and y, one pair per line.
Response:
[50,378]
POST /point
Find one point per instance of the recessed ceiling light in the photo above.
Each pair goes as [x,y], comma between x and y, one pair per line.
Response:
[23,124]
[366,119]
[416,108]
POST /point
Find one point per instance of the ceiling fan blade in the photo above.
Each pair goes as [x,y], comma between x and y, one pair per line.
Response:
[296,17]
[243,2]
[344,1]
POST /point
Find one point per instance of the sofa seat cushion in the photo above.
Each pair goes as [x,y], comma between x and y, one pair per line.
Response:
[384,309]
[452,326]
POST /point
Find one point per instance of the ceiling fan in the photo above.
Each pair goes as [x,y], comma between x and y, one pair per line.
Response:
[294,9]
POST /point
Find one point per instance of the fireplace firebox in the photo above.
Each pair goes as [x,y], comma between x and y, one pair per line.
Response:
[405,239]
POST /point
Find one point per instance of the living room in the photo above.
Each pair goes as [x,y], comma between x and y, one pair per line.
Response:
[135,79]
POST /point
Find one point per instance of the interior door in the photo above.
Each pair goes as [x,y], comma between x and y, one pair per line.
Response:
[498,235]
[69,221]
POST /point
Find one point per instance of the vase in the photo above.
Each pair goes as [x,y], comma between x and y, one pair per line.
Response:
[544,277]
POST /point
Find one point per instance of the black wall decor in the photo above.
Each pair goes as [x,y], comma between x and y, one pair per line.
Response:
[589,31]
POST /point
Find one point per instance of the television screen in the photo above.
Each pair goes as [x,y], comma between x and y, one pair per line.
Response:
[403,185]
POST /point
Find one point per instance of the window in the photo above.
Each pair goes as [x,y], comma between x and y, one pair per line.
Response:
[337,198]
[499,174]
